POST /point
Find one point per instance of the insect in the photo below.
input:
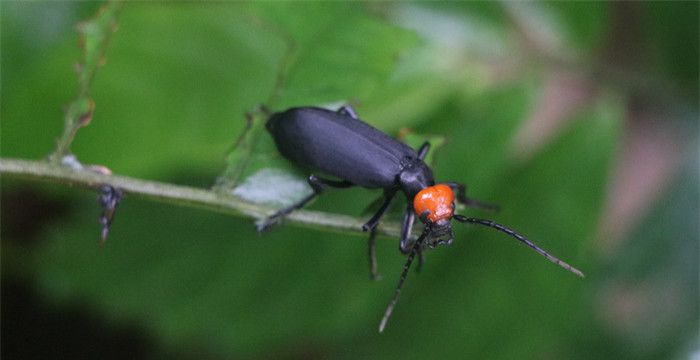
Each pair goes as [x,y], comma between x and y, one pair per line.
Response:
[339,144]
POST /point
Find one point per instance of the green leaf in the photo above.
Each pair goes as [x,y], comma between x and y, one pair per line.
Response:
[256,172]
[583,22]
[672,29]
[343,54]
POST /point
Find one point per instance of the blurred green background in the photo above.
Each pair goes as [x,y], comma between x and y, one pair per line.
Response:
[579,118]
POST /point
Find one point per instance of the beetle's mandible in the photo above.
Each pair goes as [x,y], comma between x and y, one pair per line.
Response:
[339,144]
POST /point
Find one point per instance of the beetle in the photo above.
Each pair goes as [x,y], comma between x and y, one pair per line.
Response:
[339,144]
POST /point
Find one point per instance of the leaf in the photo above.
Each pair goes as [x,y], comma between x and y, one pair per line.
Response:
[343,54]
[670,47]
[256,172]
[583,23]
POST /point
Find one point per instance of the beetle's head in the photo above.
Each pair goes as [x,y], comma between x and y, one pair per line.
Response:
[435,206]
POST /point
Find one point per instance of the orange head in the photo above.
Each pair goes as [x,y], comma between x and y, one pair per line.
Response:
[437,201]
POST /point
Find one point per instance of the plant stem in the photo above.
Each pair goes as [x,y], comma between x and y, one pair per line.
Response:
[180,195]
[94,36]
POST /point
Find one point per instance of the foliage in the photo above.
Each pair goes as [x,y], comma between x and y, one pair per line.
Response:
[170,104]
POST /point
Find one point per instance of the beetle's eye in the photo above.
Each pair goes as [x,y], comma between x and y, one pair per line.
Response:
[438,200]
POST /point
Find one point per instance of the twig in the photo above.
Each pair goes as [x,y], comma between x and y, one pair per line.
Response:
[181,195]
[94,36]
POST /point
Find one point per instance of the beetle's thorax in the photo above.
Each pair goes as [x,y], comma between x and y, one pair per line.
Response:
[414,177]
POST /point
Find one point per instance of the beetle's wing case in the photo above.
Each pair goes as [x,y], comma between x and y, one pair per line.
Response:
[339,145]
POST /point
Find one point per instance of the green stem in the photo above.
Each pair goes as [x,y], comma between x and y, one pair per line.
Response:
[94,36]
[180,195]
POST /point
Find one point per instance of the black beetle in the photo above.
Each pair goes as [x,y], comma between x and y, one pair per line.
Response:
[339,144]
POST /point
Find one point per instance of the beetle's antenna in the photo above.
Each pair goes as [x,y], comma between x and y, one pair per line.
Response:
[519,237]
[397,292]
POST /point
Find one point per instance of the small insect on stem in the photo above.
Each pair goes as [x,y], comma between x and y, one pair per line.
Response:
[108,199]
[339,144]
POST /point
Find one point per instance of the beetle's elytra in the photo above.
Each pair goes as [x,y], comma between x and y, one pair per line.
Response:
[339,144]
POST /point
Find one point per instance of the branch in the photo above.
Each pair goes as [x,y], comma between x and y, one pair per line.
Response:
[180,195]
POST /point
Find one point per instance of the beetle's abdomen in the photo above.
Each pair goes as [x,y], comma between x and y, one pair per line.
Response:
[339,145]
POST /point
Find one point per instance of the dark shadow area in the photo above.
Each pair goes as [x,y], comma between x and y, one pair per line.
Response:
[32,329]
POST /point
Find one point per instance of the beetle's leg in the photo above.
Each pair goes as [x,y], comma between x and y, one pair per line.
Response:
[421,261]
[405,245]
[397,292]
[349,111]
[371,226]
[374,221]
[318,185]
[423,150]
[462,198]
[372,255]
